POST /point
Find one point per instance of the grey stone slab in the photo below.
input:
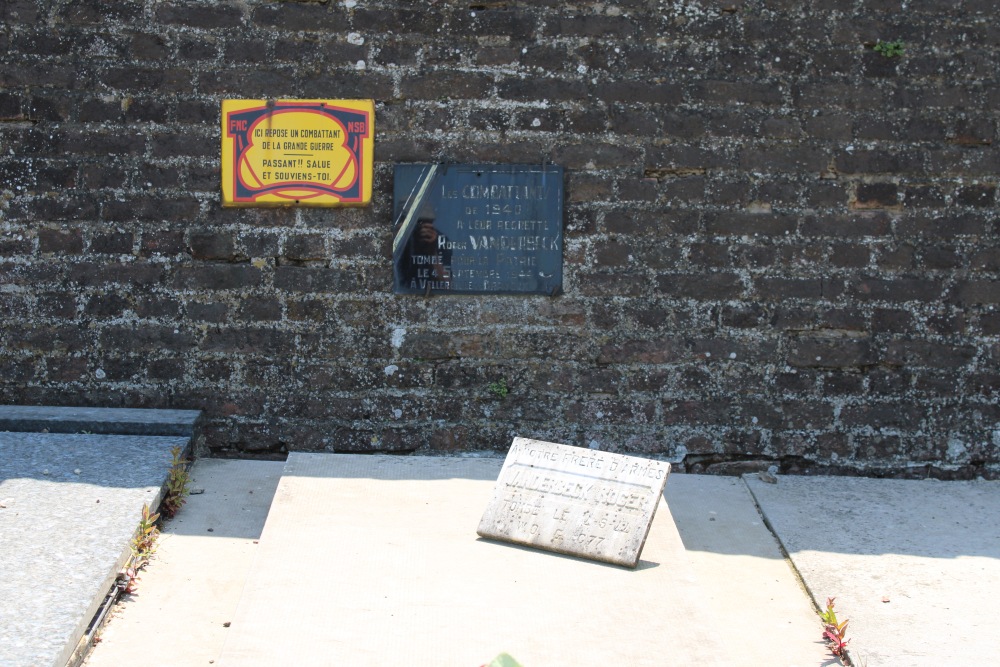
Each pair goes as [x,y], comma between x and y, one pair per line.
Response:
[575,501]
[914,565]
[371,561]
[70,506]
[111,421]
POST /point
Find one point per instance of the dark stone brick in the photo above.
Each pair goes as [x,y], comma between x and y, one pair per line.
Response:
[149,46]
[171,145]
[587,188]
[208,312]
[987,259]
[703,287]
[112,242]
[643,352]
[150,207]
[850,255]
[252,50]
[928,354]
[976,195]
[945,225]
[197,111]
[62,241]
[296,16]
[639,92]
[314,279]
[206,245]
[976,292]
[595,155]
[162,242]
[526,89]
[591,25]
[447,85]
[217,277]
[876,195]
[898,289]
[306,247]
[781,158]
[831,353]
[260,309]
[780,289]
[199,15]
[745,224]
[923,196]
[108,305]
[610,284]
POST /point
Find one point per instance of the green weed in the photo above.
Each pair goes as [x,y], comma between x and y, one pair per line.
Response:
[889,49]
[499,388]
[177,485]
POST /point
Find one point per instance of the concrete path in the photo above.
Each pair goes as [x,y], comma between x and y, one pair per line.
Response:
[914,565]
[186,598]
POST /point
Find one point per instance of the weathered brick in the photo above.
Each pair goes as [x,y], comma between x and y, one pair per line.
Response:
[216,277]
[208,245]
[642,351]
[703,287]
[314,279]
[821,352]
[898,289]
[199,15]
[976,291]
[876,195]
[447,85]
[976,195]
[749,224]
[62,241]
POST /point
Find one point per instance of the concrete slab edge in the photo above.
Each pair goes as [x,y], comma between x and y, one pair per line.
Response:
[818,606]
[99,421]
[83,639]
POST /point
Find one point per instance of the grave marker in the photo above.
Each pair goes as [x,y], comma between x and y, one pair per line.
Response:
[576,501]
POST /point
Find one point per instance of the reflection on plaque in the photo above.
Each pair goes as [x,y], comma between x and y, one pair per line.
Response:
[478,229]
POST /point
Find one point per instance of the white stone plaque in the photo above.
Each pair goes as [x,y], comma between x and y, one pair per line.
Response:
[576,501]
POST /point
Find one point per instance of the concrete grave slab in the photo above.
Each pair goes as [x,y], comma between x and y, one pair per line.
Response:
[71,504]
[575,501]
[369,560]
[914,565]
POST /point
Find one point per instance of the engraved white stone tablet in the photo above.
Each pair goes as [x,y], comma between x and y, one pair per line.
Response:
[576,501]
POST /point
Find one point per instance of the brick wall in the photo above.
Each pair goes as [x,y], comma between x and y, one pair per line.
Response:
[780,244]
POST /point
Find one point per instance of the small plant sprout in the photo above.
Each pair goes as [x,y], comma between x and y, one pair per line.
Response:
[177,485]
[499,388]
[889,49]
[143,545]
[834,632]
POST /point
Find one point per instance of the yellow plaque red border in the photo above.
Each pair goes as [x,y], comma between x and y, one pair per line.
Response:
[297,152]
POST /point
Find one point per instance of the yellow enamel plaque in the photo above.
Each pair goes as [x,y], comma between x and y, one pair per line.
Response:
[297,152]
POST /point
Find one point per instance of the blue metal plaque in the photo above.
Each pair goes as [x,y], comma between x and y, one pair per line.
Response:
[478,229]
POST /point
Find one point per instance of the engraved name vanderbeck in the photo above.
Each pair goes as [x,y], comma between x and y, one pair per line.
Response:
[627,500]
